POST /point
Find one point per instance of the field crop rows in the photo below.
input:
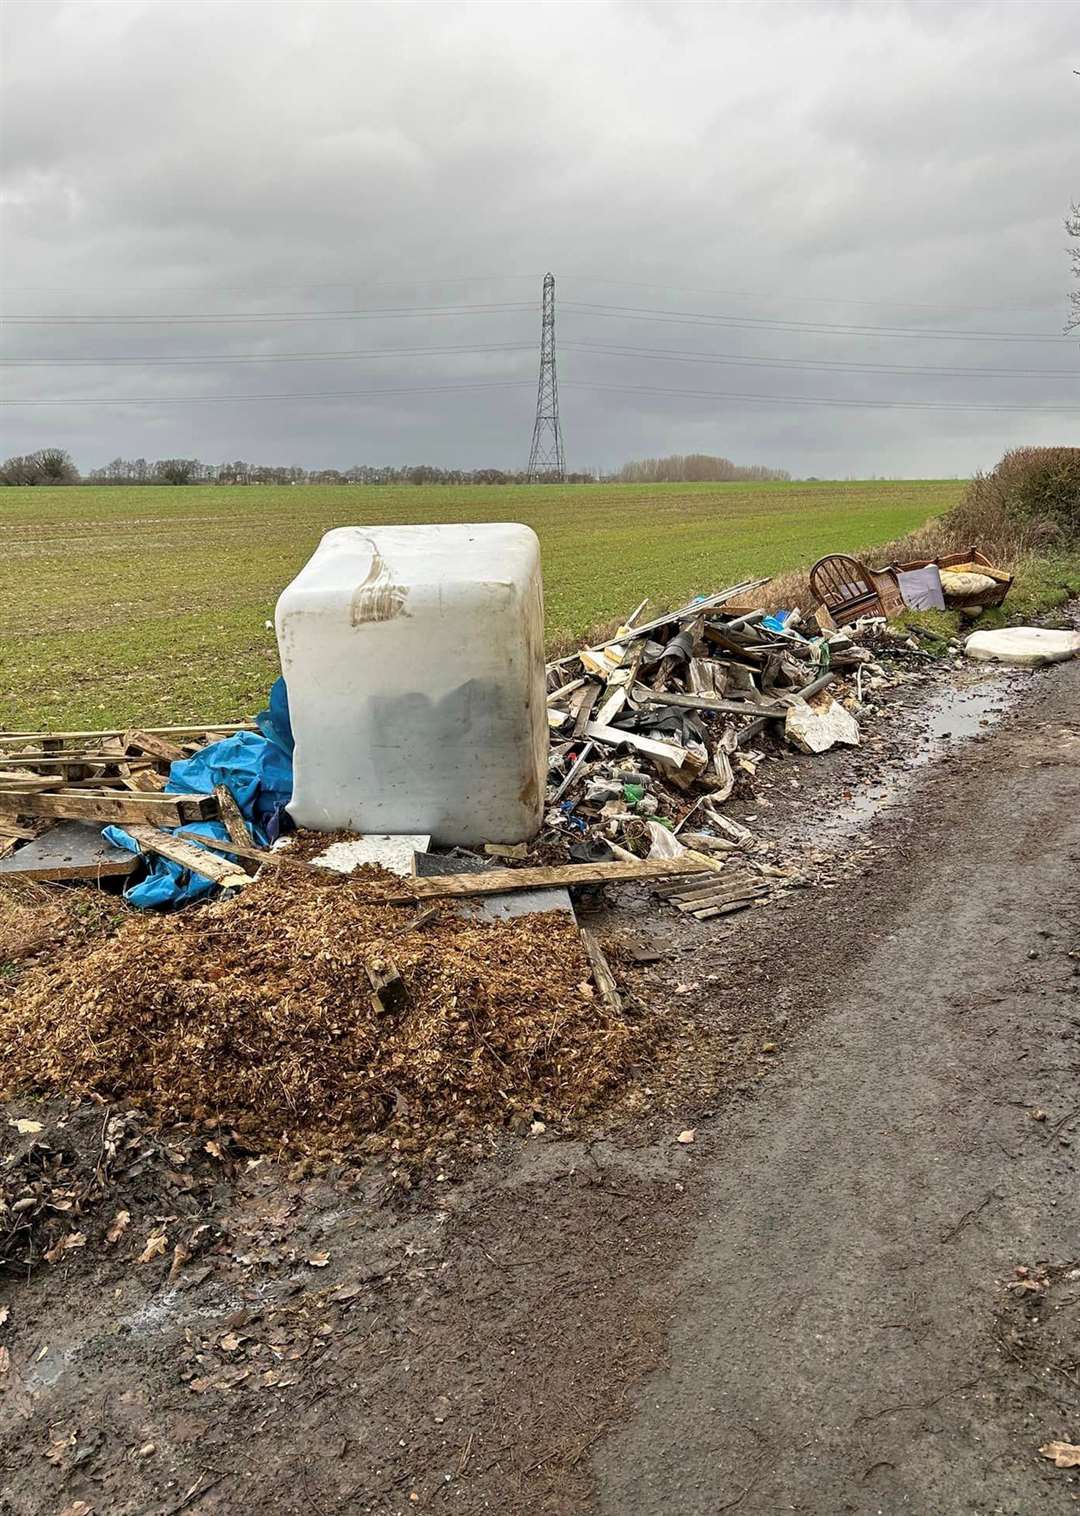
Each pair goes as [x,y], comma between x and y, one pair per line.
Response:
[149,604]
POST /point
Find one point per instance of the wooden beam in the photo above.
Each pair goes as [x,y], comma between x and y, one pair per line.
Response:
[223,730]
[585,709]
[152,744]
[265,855]
[605,979]
[499,881]
[235,825]
[73,758]
[187,853]
[83,805]
[146,780]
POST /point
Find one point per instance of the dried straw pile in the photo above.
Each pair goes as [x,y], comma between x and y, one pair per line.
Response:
[257,1013]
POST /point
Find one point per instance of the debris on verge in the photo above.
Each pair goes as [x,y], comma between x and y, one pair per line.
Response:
[1064,1455]
[260,1012]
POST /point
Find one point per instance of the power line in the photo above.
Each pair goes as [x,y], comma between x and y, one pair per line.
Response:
[576,384]
[830,328]
[685,289]
[740,360]
[250,289]
[209,319]
[670,355]
[411,389]
[375,352]
[892,405]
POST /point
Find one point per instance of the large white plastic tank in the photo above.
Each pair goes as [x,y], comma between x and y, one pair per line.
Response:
[413,658]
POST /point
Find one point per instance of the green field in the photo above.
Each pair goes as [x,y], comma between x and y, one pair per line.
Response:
[149,604]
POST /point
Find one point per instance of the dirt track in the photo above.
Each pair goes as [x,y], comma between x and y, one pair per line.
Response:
[807,1309]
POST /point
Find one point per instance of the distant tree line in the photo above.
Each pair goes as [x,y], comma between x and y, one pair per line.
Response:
[695,468]
[52,465]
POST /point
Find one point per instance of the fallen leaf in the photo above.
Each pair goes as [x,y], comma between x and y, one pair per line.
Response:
[1038,1114]
[768,1047]
[215,1149]
[59,1448]
[77,1508]
[26,1127]
[1066,1455]
[687,1136]
[319,1260]
[117,1226]
[230,1342]
[5,1362]
[155,1247]
[72,1240]
[180,1256]
[145,1451]
[4,1314]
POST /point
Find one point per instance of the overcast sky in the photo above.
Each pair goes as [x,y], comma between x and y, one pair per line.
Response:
[735,185]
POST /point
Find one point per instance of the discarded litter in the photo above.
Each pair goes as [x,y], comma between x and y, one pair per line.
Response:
[1026,646]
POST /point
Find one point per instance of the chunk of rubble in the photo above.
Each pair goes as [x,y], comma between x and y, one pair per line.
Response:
[815,728]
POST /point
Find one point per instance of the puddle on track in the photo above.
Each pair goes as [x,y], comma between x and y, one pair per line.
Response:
[953,715]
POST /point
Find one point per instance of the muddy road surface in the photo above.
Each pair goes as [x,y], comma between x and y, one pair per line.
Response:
[857,1289]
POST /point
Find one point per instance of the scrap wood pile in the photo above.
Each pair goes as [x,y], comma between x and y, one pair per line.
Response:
[306,1012]
[653,730]
[65,786]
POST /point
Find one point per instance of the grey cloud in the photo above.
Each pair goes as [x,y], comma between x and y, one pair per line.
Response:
[238,158]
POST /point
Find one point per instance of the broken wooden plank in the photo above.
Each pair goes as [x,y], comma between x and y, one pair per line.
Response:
[564,691]
[267,855]
[118,731]
[235,825]
[12,833]
[695,900]
[497,881]
[81,805]
[708,912]
[605,979]
[73,758]
[388,993]
[188,855]
[72,850]
[585,709]
[15,779]
[688,612]
[137,741]
[145,780]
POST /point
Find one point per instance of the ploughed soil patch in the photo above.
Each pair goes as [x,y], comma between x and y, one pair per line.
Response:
[258,1015]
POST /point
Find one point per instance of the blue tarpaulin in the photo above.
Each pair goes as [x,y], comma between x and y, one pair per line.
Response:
[256,769]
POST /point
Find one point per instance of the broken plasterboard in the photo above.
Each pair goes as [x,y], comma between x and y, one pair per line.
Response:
[816,728]
[391,851]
